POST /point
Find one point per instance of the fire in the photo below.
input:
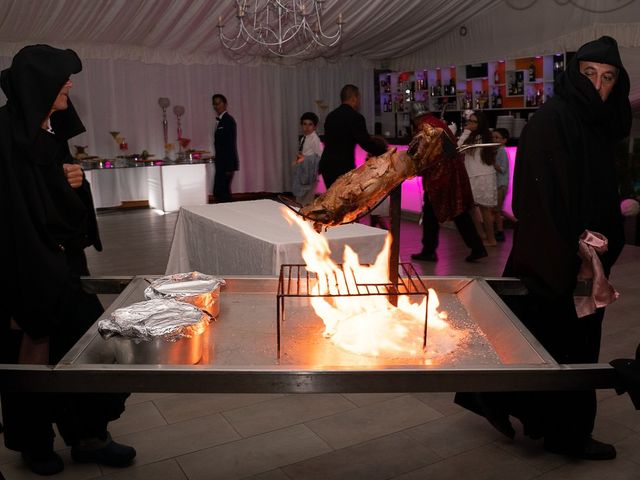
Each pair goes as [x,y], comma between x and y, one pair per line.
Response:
[369,324]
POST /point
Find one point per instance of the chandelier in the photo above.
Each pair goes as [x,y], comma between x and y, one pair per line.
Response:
[279,28]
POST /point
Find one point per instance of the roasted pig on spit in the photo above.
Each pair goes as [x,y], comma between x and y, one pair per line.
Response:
[357,192]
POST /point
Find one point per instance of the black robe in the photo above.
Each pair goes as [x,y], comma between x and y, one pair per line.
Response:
[44,219]
[564,182]
[46,224]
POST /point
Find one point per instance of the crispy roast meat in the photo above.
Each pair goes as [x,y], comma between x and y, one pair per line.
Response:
[357,192]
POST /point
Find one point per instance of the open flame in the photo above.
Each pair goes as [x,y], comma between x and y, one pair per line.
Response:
[370,325]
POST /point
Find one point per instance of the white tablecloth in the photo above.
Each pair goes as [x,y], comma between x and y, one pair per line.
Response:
[110,187]
[166,187]
[254,238]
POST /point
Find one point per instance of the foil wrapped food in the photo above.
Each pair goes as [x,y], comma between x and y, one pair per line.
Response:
[167,319]
[195,288]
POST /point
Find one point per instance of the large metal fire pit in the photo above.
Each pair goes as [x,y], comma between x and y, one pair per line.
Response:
[240,353]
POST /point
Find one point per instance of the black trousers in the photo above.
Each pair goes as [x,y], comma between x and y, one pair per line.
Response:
[566,417]
[431,229]
[222,185]
[28,416]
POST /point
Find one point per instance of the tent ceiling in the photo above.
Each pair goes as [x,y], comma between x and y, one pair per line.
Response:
[172,31]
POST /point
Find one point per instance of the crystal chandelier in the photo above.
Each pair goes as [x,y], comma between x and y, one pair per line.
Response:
[279,28]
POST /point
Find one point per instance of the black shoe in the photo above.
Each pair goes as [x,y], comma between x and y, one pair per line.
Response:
[587,449]
[499,236]
[496,416]
[112,454]
[425,257]
[476,255]
[43,463]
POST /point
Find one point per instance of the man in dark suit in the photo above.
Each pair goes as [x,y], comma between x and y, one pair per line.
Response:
[226,156]
[343,129]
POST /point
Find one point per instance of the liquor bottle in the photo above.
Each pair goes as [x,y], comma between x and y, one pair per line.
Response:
[538,98]
[519,89]
[532,72]
[452,86]
[496,77]
[499,100]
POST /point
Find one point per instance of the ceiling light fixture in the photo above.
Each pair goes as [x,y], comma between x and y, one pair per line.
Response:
[280,28]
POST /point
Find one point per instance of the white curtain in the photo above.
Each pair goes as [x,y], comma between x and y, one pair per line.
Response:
[135,51]
[265,100]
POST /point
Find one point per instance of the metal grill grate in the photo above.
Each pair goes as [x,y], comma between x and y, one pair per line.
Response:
[296,281]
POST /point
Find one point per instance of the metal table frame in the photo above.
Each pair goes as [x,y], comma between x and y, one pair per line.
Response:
[64,377]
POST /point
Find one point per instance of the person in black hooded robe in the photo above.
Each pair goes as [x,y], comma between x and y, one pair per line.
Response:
[48,220]
[564,183]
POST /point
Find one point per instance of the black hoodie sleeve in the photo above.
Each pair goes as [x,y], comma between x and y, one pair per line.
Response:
[544,254]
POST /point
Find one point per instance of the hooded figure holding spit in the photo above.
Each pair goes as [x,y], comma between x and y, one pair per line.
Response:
[48,221]
[569,228]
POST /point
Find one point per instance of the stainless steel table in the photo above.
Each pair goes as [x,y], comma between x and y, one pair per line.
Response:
[241,352]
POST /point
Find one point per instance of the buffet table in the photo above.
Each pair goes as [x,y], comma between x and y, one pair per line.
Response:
[254,238]
[164,185]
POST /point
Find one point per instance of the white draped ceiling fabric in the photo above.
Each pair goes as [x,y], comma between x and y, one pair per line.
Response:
[135,51]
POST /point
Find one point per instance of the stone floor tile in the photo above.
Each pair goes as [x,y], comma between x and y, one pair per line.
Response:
[628,450]
[363,399]
[621,410]
[440,401]
[6,455]
[146,397]
[182,407]
[168,441]
[377,459]
[285,411]
[454,434]
[372,421]
[136,418]
[609,430]
[483,463]
[253,455]
[276,474]
[532,452]
[618,469]
[167,470]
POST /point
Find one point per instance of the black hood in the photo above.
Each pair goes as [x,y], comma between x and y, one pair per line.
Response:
[615,114]
[32,83]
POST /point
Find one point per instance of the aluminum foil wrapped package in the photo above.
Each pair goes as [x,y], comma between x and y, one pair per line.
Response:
[195,288]
[156,331]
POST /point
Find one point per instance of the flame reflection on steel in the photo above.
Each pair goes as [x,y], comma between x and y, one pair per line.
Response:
[370,325]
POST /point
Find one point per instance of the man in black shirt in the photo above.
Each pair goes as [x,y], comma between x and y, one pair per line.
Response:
[343,129]
[225,143]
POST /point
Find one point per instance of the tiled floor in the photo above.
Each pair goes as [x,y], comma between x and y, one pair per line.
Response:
[344,436]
